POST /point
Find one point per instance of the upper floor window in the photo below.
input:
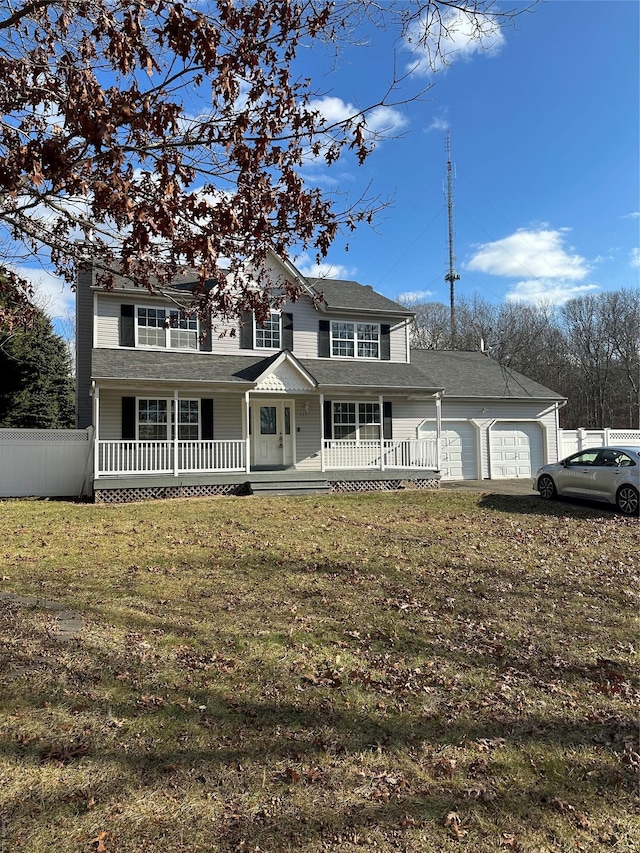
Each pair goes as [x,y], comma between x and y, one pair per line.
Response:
[355,340]
[166,327]
[267,335]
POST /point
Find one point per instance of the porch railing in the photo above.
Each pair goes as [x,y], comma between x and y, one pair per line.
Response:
[164,457]
[411,453]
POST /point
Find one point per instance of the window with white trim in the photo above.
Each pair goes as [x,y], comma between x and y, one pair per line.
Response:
[268,335]
[169,328]
[355,340]
[356,421]
[156,419]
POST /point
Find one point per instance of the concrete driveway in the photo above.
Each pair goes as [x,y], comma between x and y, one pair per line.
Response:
[521,486]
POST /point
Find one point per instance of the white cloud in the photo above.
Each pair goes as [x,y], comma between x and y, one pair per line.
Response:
[548,291]
[546,268]
[438,124]
[634,215]
[379,123]
[635,257]
[530,254]
[324,270]
[450,37]
[52,294]
[410,297]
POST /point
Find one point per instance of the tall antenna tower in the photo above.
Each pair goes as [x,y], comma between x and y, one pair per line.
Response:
[452,276]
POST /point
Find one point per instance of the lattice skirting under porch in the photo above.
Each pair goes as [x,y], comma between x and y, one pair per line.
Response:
[382,485]
[150,493]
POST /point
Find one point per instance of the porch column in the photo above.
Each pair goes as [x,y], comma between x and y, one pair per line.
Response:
[247,437]
[323,466]
[438,428]
[380,404]
[175,434]
[95,417]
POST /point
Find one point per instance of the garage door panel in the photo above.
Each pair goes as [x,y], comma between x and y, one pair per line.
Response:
[516,449]
[458,452]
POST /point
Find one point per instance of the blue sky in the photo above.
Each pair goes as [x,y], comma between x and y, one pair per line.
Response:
[545,149]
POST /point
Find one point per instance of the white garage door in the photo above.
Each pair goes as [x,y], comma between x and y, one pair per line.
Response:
[458,450]
[516,449]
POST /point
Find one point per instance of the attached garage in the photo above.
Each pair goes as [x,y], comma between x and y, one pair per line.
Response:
[458,449]
[516,449]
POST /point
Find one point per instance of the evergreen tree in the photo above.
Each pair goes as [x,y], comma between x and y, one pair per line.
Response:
[36,385]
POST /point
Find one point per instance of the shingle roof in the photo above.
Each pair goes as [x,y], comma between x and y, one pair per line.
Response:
[345,373]
[460,374]
[474,374]
[155,365]
[352,296]
[135,365]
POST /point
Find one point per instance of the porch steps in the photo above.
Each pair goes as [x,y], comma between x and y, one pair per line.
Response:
[289,488]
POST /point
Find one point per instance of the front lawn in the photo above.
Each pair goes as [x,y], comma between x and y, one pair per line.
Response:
[414,671]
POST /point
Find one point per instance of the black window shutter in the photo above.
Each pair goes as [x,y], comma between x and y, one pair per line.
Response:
[328,419]
[206,419]
[246,330]
[128,418]
[387,420]
[287,332]
[127,328]
[323,339]
[385,342]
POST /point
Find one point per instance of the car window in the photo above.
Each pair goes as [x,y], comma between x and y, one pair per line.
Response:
[609,458]
[586,458]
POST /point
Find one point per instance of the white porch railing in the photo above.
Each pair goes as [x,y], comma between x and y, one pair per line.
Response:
[162,457]
[412,453]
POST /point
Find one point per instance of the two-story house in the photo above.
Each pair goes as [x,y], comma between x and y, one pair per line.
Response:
[326,393]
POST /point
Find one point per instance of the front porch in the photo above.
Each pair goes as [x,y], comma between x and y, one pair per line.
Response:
[285,482]
[177,458]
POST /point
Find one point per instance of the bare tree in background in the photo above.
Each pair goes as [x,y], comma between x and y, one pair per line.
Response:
[587,350]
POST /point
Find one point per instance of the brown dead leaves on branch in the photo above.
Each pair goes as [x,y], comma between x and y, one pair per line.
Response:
[170,135]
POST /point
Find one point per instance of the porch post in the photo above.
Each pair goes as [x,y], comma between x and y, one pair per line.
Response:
[438,428]
[247,437]
[381,406]
[175,434]
[96,431]
[323,466]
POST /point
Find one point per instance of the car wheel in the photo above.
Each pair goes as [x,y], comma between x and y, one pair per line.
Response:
[547,487]
[627,500]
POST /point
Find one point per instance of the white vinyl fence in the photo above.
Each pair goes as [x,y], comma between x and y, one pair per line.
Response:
[572,440]
[46,462]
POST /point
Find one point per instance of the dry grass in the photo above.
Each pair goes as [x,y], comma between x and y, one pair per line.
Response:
[418,671]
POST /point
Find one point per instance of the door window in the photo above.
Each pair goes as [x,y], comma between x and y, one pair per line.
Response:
[268,421]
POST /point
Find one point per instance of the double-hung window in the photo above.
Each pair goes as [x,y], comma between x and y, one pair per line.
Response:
[356,421]
[167,328]
[268,335]
[355,340]
[156,420]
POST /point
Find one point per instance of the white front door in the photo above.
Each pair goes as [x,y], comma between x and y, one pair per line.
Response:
[271,433]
